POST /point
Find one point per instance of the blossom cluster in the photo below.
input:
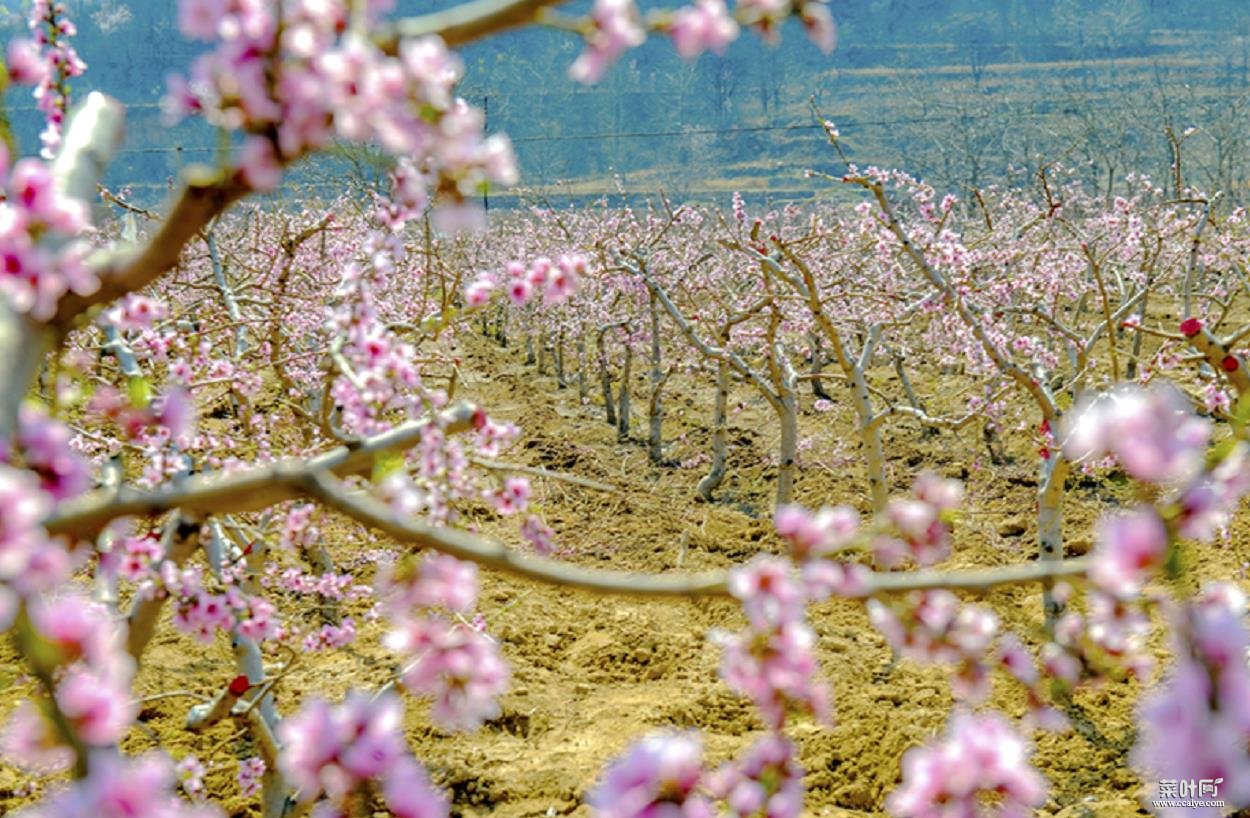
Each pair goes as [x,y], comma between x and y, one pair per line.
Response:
[199,611]
[36,271]
[616,26]
[814,538]
[336,750]
[664,774]
[446,658]
[378,378]
[766,780]
[556,280]
[918,527]
[1155,436]
[47,60]
[657,775]
[980,756]
[92,692]
[294,77]
[1196,724]
[169,418]
[773,661]
[30,562]
[46,448]
[118,787]
[933,627]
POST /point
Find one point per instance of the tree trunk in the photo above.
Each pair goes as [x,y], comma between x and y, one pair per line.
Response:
[712,480]
[605,381]
[787,414]
[1130,369]
[870,436]
[818,366]
[1054,472]
[655,408]
[501,329]
[583,388]
[559,356]
[622,402]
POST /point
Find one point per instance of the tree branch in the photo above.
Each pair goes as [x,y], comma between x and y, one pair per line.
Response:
[465,546]
[206,194]
[459,544]
[464,23]
[244,491]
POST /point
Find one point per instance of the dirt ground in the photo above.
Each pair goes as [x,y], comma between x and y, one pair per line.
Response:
[591,674]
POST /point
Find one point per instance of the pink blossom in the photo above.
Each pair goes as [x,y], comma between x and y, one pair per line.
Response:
[249,777]
[336,749]
[409,793]
[768,592]
[190,774]
[560,285]
[99,707]
[456,665]
[135,312]
[1208,504]
[478,293]
[657,776]
[819,24]
[176,412]
[767,780]
[519,291]
[980,755]
[1196,724]
[538,534]
[440,581]
[29,743]
[705,26]
[259,164]
[824,577]
[45,445]
[1152,433]
[933,627]
[814,535]
[22,509]
[777,670]
[615,29]
[25,65]
[120,787]
[77,627]
[202,19]
[1130,547]
[518,488]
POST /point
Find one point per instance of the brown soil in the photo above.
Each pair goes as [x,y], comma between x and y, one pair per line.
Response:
[591,674]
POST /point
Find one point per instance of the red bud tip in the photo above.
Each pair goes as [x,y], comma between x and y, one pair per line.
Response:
[1230,363]
[479,419]
[1191,327]
[239,685]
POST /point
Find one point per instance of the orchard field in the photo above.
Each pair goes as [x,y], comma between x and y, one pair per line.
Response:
[896,502]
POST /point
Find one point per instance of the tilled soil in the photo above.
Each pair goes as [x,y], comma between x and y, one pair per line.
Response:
[591,674]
